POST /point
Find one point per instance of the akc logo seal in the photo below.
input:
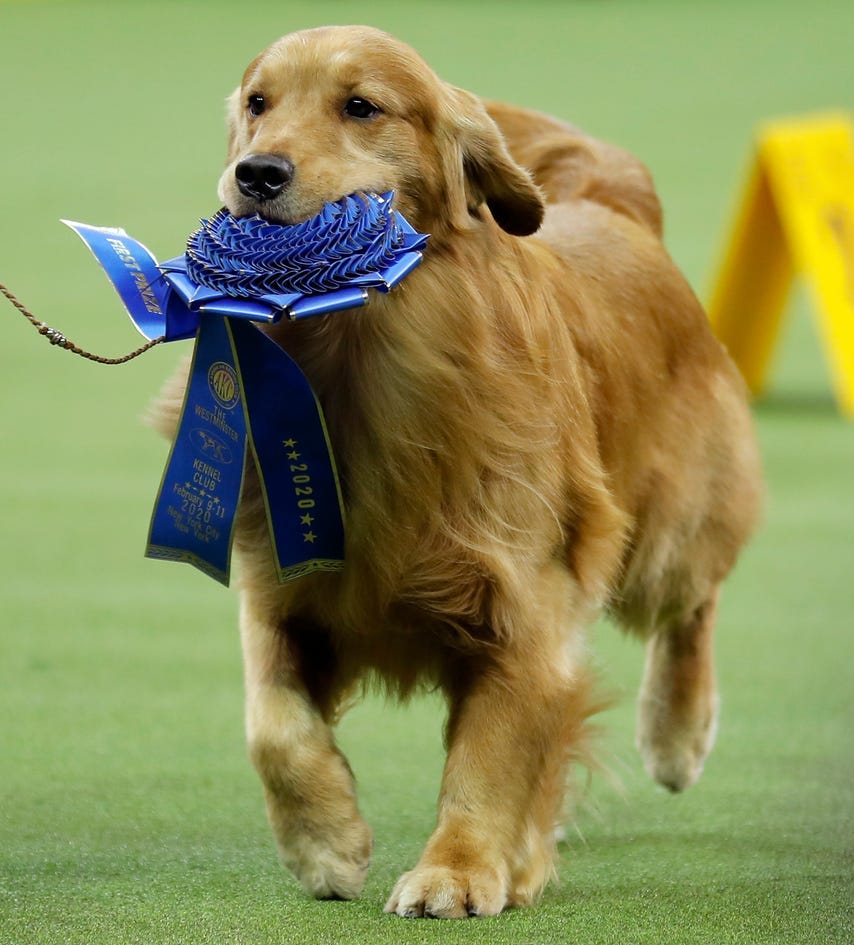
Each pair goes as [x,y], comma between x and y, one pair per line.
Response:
[222,381]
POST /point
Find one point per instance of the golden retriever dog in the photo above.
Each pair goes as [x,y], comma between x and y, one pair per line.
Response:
[536,427]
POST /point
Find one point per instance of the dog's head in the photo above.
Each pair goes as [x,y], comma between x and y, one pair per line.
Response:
[328,112]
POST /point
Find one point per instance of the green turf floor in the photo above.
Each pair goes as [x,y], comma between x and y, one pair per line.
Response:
[128,810]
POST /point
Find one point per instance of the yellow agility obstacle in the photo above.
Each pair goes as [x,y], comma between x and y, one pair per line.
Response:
[796,216]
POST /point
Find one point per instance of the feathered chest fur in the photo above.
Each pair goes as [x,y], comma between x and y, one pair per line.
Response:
[452,426]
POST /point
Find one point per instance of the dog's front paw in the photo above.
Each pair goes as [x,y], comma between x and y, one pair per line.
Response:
[440,893]
[330,869]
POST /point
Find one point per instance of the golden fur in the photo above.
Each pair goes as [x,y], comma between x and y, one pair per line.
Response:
[536,425]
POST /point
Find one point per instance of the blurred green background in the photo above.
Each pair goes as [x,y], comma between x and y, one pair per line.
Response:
[128,811]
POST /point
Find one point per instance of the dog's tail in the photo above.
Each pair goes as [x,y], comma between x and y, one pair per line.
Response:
[569,165]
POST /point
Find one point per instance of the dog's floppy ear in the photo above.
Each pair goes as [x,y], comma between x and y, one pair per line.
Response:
[491,174]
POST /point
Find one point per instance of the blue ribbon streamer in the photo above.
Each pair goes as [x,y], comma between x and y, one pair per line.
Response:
[293,456]
[244,392]
[194,513]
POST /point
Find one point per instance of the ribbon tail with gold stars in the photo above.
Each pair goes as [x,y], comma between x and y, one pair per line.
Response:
[290,444]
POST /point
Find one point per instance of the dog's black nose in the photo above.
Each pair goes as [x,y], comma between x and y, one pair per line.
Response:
[263,176]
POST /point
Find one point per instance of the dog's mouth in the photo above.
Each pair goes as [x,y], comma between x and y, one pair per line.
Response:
[274,211]
[279,210]
[266,185]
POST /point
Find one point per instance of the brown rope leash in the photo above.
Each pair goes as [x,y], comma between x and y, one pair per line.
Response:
[57,338]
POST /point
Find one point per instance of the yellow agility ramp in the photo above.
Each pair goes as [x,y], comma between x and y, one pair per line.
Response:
[796,216]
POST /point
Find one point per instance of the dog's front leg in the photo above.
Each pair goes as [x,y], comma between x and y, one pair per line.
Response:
[308,785]
[515,722]
[501,791]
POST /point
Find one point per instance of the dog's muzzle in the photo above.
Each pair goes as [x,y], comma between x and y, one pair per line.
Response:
[263,176]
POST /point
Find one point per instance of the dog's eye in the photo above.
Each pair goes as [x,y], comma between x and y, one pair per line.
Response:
[256,105]
[361,108]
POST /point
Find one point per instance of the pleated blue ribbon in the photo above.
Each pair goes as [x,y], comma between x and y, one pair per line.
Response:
[245,394]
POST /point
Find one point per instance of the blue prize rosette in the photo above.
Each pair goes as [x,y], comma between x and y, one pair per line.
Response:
[245,395]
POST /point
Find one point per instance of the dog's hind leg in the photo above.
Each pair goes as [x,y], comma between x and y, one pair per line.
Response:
[678,702]
[308,785]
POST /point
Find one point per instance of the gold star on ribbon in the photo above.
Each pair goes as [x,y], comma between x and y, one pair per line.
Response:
[289,444]
[309,536]
[306,519]
[293,455]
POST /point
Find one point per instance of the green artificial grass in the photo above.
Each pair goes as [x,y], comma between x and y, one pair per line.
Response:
[128,810]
